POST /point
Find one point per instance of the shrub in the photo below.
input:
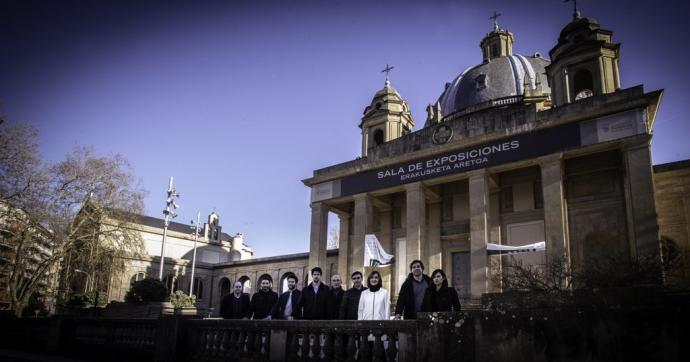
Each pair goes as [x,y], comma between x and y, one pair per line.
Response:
[181,300]
[146,290]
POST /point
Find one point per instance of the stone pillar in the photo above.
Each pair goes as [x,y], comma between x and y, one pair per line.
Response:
[318,235]
[555,210]
[479,230]
[416,221]
[641,210]
[385,236]
[434,250]
[344,248]
[362,225]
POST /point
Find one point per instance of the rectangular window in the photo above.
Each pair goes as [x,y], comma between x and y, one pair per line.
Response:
[538,196]
[507,199]
[447,208]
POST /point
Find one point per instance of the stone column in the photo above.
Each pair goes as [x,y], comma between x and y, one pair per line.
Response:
[641,210]
[362,225]
[555,210]
[344,248]
[434,250]
[415,220]
[385,236]
[318,235]
[479,230]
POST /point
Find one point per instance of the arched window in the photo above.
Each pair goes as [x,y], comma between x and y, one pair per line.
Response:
[225,287]
[137,277]
[171,283]
[198,289]
[283,284]
[669,250]
[378,137]
[583,83]
[246,283]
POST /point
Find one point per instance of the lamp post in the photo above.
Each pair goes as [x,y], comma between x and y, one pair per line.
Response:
[168,212]
[196,239]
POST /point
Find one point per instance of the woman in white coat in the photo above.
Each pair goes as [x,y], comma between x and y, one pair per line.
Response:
[374,303]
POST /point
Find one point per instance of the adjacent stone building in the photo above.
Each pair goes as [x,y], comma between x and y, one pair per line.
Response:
[214,248]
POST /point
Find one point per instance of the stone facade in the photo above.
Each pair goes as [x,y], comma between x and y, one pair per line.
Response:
[672,184]
[568,164]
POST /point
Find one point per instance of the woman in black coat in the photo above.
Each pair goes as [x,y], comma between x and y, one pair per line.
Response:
[439,297]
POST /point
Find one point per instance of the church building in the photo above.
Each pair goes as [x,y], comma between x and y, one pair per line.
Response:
[517,149]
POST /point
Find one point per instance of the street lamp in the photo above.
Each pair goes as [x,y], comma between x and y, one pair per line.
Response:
[168,212]
[196,239]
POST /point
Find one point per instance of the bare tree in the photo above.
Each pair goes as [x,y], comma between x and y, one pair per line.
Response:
[333,238]
[73,208]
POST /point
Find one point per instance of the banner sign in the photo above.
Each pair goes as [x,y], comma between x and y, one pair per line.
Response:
[509,149]
[497,249]
[374,255]
[518,147]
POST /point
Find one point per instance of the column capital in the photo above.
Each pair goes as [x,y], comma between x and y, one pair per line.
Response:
[318,205]
[360,197]
[482,172]
[636,143]
[552,158]
[414,186]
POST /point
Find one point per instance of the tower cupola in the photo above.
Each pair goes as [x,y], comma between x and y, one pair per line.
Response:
[387,117]
[584,62]
[497,43]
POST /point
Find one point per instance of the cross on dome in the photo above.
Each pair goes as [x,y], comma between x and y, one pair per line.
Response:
[494,17]
[387,70]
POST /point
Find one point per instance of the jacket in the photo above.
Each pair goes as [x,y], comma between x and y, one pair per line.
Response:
[230,310]
[444,299]
[279,308]
[262,302]
[337,299]
[405,304]
[317,305]
[350,304]
[374,305]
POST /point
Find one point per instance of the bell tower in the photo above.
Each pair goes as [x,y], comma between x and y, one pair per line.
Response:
[584,62]
[387,117]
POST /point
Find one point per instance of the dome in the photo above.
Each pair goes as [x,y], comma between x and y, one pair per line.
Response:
[497,82]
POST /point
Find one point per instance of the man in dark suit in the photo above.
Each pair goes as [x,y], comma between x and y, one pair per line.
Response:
[350,303]
[236,304]
[263,300]
[288,305]
[338,292]
[317,299]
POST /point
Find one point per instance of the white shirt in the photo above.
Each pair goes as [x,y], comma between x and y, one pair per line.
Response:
[374,305]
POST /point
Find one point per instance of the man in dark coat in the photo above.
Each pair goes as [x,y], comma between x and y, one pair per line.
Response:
[236,305]
[350,303]
[412,292]
[317,299]
[338,292]
[288,305]
[263,300]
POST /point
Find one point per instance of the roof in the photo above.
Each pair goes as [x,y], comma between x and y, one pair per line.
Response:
[172,226]
[500,78]
[672,166]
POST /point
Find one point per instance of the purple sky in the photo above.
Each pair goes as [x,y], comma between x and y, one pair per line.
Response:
[241,100]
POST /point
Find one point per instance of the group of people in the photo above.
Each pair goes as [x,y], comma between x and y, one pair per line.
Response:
[419,293]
